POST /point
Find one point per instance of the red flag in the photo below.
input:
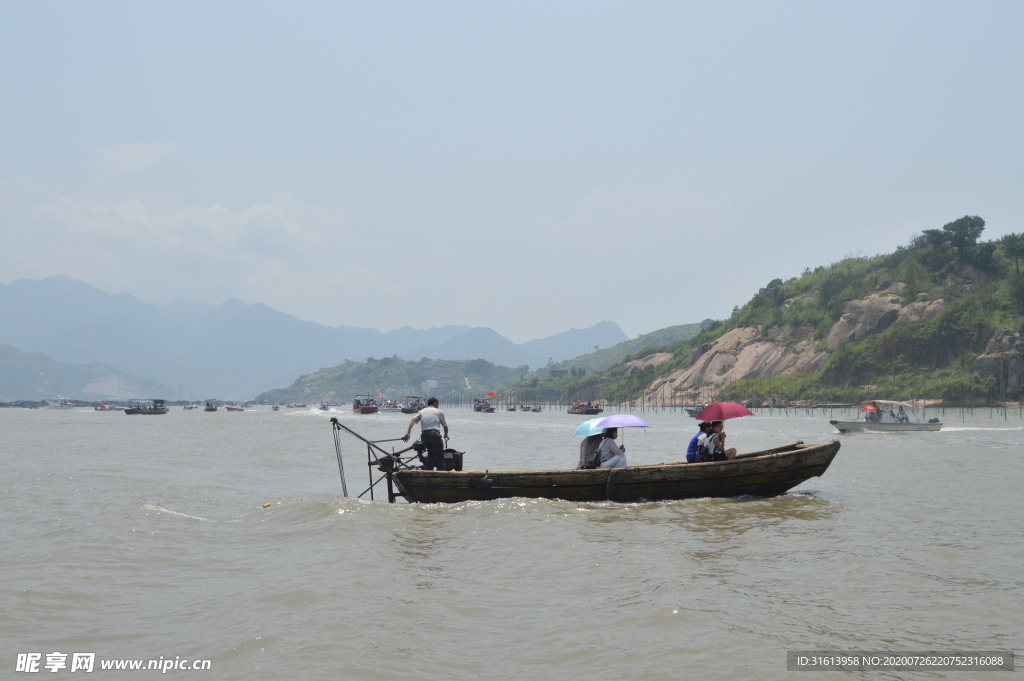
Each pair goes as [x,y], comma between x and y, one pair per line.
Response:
[490,394]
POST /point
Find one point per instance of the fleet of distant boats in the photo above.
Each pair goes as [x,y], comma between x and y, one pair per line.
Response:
[877,416]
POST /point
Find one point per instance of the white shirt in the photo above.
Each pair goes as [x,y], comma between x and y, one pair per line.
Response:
[431,418]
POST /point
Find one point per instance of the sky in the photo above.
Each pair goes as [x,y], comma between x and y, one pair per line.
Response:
[527,166]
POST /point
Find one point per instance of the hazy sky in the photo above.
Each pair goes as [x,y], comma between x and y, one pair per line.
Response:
[529,166]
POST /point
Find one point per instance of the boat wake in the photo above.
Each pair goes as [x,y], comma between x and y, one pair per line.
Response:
[160,509]
[965,429]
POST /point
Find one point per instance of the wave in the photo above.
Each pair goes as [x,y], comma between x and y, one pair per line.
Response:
[957,429]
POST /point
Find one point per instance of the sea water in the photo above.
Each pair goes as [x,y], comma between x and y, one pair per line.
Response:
[147,537]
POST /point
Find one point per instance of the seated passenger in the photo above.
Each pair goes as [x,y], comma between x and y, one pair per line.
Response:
[589,450]
[697,442]
[611,455]
[714,445]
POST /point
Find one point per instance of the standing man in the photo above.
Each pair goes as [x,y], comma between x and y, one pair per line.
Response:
[431,421]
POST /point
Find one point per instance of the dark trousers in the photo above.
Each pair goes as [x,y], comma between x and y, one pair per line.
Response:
[435,450]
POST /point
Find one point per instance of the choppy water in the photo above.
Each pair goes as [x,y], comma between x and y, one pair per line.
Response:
[141,537]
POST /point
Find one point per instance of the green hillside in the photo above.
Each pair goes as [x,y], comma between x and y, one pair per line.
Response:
[395,377]
[976,286]
[604,358]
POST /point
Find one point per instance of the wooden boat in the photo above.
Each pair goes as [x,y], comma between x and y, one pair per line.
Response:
[154,407]
[761,474]
[413,406]
[586,411]
[365,404]
[887,423]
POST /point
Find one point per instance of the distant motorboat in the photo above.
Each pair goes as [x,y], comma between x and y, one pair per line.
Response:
[60,402]
[414,406]
[210,406]
[879,417]
[588,408]
[482,405]
[231,406]
[365,404]
[151,408]
[275,407]
[107,407]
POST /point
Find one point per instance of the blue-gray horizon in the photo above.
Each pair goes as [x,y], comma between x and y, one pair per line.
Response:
[529,168]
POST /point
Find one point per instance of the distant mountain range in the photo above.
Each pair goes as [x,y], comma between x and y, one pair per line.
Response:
[232,350]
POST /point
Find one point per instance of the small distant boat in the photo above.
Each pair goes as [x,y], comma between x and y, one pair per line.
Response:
[365,404]
[275,407]
[60,402]
[391,406]
[325,406]
[414,406]
[150,408]
[586,408]
[231,406]
[210,406]
[189,407]
[510,407]
[295,405]
[693,412]
[107,407]
[879,417]
[482,405]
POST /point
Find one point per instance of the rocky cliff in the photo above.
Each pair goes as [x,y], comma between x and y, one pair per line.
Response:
[750,352]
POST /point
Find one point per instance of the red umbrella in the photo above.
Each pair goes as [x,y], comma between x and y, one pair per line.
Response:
[869,407]
[720,411]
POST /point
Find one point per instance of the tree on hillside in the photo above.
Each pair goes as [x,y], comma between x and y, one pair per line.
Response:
[963,235]
[1013,245]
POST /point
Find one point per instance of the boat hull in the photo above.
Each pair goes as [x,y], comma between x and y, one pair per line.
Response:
[366,410]
[760,474]
[867,427]
[131,411]
[593,411]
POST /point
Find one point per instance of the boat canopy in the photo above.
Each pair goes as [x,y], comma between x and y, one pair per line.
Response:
[890,403]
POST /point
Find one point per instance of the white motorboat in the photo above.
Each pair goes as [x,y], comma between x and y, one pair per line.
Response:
[887,416]
[61,402]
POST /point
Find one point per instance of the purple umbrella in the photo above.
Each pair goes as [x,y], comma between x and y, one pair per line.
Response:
[622,421]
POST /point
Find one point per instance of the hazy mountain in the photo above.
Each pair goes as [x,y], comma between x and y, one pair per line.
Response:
[34,376]
[233,350]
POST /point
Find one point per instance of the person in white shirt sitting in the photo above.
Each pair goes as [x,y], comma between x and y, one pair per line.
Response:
[612,456]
